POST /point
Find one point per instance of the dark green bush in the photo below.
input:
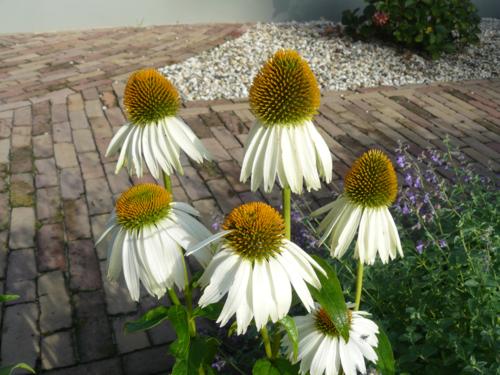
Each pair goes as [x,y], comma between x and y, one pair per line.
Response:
[429,26]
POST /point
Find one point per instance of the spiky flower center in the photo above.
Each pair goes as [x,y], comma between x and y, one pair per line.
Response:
[371,181]
[149,97]
[324,323]
[285,90]
[258,230]
[142,205]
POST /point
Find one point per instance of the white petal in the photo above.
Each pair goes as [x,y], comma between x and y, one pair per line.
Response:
[393,232]
[115,256]
[147,151]
[236,292]
[294,275]
[258,163]
[125,150]
[117,140]
[307,157]
[347,362]
[204,243]
[182,135]
[185,207]
[212,266]
[271,160]
[324,157]
[221,281]
[345,230]
[262,299]
[130,267]
[282,291]
[292,166]
[251,145]
[170,150]
[244,314]
[320,360]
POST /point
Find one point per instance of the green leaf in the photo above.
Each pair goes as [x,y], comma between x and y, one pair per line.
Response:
[279,366]
[291,330]
[264,367]
[385,362]
[149,320]
[178,317]
[201,353]
[331,298]
[211,312]
[8,297]
[7,370]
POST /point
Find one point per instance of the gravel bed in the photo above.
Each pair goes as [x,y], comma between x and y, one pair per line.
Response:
[338,62]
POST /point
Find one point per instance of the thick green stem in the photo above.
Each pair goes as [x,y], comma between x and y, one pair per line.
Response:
[286,211]
[173,296]
[189,300]
[167,182]
[276,344]
[359,285]
[267,342]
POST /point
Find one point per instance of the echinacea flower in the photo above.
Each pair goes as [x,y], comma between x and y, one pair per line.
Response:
[256,266]
[149,233]
[322,350]
[370,187]
[154,135]
[283,141]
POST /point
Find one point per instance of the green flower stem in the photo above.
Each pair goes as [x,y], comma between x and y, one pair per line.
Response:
[189,300]
[173,296]
[276,344]
[286,211]
[267,342]
[167,182]
[359,286]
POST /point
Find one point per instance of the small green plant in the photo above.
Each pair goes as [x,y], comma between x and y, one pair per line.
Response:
[440,303]
[430,26]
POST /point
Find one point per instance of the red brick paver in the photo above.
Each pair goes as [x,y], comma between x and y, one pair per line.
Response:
[57,187]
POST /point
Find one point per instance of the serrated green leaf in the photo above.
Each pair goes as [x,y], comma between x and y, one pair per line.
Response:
[385,362]
[331,298]
[149,320]
[8,297]
[178,317]
[291,330]
[8,370]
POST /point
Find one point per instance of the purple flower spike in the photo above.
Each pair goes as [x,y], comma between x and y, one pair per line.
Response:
[408,179]
[400,160]
[418,183]
[215,226]
[442,243]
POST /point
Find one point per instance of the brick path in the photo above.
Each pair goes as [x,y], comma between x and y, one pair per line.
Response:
[58,187]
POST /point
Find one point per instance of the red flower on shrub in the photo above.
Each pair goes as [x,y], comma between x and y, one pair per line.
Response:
[380,18]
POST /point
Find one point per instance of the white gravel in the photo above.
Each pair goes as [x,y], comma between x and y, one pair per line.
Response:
[338,62]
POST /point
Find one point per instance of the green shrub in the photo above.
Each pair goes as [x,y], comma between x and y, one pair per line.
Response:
[431,26]
[440,304]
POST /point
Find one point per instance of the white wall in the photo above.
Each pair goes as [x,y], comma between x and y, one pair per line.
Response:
[54,15]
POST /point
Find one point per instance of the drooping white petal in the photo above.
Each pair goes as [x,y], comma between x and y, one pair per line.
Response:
[235,294]
[130,267]
[118,139]
[185,207]
[158,150]
[244,314]
[292,166]
[271,159]
[258,163]
[207,241]
[320,359]
[221,281]
[395,241]
[324,157]
[147,152]
[115,256]
[307,157]
[282,291]
[170,150]
[218,258]
[124,152]
[300,287]
[345,230]
[251,144]
[347,362]
[200,152]
[262,299]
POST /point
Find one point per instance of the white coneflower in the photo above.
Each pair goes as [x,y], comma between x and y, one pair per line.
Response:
[149,233]
[322,350]
[256,266]
[370,187]
[154,135]
[284,142]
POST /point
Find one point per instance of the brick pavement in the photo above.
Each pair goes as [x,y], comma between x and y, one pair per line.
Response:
[57,187]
